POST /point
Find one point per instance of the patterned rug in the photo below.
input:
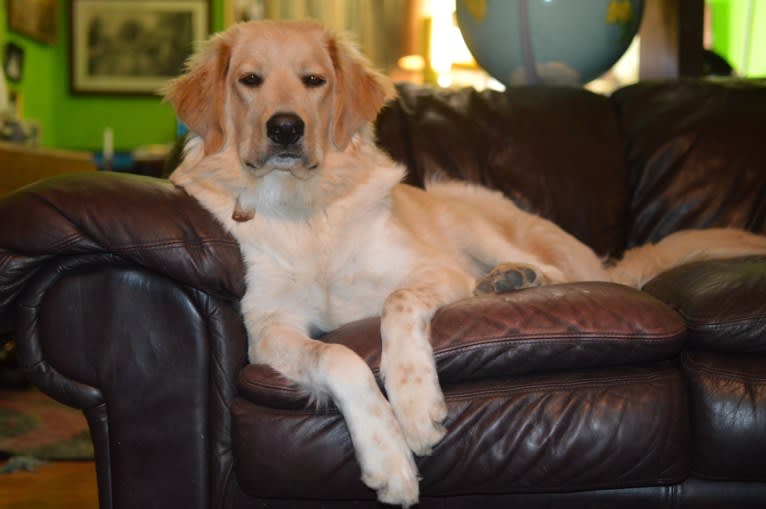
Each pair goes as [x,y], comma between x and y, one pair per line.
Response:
[34,425]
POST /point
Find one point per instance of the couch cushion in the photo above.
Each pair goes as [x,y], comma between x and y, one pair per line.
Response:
[557,327]
[722,301]
[548,389]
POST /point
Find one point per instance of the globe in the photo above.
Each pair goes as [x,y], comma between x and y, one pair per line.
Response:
[548,41]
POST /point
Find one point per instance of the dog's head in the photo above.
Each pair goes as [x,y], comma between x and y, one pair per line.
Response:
[281,94]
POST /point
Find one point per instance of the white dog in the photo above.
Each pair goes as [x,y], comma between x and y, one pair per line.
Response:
[329,235]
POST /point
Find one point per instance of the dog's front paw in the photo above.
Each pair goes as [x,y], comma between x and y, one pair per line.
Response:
[508,277]
[385,459]
[418,403]
[395,482]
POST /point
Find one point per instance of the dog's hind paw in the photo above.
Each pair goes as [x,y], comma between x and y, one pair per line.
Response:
[508,277]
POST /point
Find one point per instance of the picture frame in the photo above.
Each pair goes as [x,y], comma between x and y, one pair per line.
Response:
[37,19]
[132,46]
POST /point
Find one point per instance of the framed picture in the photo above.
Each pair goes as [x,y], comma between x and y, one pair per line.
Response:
[132,46]
[34,18]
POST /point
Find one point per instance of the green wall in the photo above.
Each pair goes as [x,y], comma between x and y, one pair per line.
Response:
[78,121]
[730,25]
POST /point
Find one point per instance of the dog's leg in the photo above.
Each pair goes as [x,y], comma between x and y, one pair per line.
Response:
[407,363]
[333,370]
[515,237]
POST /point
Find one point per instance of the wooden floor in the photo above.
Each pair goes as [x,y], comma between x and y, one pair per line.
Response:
[55,485]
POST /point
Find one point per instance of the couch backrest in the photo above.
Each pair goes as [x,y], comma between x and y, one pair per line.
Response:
[554,151]
[695,153]
[614,172]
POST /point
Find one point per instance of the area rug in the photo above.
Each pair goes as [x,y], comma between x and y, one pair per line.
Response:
[34,425]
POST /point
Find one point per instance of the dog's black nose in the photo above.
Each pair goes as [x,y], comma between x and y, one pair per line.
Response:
[285,128]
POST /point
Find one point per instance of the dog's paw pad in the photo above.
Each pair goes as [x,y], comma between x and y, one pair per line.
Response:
[508,277]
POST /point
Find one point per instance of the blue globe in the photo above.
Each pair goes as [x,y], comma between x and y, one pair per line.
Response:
[548,41]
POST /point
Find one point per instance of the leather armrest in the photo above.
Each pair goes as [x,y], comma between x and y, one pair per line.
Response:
[142,220]
[722,301]
[150,361]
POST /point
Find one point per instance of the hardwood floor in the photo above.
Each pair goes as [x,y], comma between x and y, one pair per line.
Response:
[55,485]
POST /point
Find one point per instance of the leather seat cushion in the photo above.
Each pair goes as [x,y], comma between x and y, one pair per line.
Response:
[721,302]
[564,387]
[541,330]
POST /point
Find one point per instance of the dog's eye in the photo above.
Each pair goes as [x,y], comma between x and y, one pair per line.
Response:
[313,81]
[251,80]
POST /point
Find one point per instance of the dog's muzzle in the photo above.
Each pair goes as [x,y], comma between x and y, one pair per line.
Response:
[286,149]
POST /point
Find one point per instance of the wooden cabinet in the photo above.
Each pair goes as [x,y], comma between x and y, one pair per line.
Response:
[20,165]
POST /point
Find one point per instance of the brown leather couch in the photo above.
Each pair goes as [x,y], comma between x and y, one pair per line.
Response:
[123,294]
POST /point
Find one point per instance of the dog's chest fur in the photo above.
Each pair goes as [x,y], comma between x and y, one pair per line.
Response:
[330,266]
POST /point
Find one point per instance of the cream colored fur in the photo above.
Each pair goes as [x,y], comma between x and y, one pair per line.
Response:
[329,235]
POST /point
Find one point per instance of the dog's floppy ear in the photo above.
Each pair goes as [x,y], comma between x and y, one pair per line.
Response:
[198,95]
[360,92]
